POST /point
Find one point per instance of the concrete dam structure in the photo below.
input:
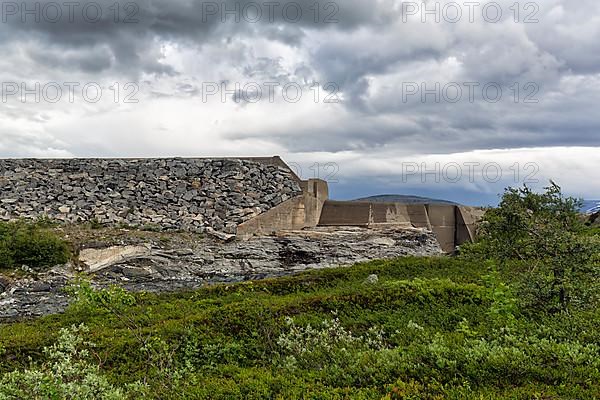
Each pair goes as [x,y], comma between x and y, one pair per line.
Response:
[452,225]
[239,197]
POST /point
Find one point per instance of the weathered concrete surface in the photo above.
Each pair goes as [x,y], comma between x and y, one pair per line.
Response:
[467,220]
[355,213]
[452,225]
[158,263]
[300,212]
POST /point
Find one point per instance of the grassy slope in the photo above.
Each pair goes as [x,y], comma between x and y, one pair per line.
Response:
[229,334]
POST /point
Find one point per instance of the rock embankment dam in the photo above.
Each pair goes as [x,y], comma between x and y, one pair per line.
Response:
[173,194]
[238,197]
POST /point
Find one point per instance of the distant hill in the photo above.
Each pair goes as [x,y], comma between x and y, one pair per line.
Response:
[405,199]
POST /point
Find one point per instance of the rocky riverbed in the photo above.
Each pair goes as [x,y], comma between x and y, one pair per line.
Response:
[163,262]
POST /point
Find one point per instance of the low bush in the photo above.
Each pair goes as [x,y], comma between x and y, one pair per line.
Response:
[430,328]
[68,374]
[544,231]
[31,244]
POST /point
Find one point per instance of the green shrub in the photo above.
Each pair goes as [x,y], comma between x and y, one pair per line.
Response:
[67,375]
[530,226]
[545,231]
[31,244]
[431,328]
[324,346]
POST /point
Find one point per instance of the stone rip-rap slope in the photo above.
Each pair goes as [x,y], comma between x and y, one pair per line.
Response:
[174,194]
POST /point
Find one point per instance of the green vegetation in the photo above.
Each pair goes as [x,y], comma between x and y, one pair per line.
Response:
[31,244]
[545,231]
[428,328]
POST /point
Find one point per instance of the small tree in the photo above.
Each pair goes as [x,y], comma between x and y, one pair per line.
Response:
[544,230]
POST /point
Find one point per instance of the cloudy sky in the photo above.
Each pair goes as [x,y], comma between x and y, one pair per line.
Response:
[446,99]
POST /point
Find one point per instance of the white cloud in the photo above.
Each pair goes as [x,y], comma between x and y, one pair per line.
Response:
[370,53]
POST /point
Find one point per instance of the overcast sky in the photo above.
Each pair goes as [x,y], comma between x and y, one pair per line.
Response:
[447,99]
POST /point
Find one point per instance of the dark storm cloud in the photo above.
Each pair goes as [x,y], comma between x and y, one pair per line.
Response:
[93,59]
[363,47]
[124,36]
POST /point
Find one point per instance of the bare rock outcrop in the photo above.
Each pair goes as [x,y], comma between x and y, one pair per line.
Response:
[156,263]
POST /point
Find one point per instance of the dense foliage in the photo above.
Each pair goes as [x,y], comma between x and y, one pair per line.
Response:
[427,329]
[545,231]
[30,244]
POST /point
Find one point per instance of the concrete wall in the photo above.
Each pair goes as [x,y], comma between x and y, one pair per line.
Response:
[354,213]
[467,218]
[340,213]
[297,213]
[452,225]
[443,223]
